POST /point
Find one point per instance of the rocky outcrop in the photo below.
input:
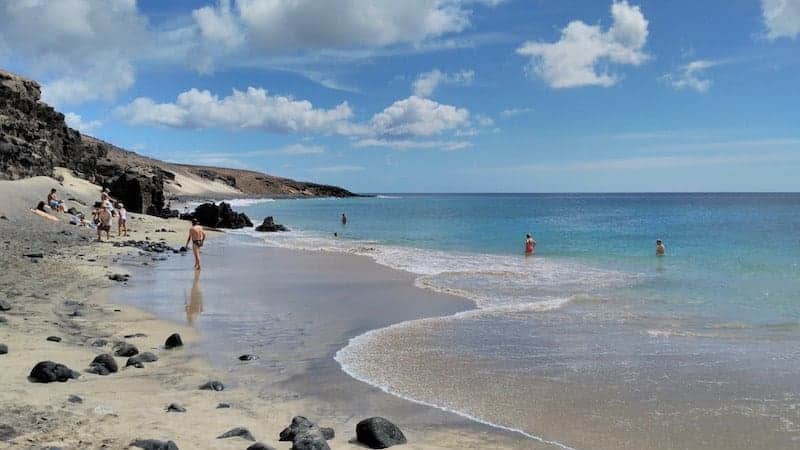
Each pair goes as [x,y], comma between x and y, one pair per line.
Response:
[34,137]
[269,226]
[218,216]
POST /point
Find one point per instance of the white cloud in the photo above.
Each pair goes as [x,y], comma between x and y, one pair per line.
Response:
[782,18]
[253,108]
[572,61]
[427,82]
[76,121]
[511,112]
[81,49]
[410,144]
[691,76]
[415,116]
[218,24]
[294,150]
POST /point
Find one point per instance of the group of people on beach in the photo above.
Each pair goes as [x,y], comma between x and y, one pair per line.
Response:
[530,246]
[103,214]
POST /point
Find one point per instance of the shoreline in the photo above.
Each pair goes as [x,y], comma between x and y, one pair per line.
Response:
[68,293]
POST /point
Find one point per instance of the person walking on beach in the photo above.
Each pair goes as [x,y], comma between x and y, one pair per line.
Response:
[530,245]
[197,236]
[344,219]
[103,222]
[122,220]
[660,249]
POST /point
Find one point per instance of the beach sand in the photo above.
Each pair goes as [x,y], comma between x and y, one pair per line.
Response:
[67,293]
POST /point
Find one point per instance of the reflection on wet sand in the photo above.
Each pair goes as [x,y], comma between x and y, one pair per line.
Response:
[194,301]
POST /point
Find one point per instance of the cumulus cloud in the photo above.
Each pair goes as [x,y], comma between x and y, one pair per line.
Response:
[412,144]
[781,17]
[691,76]
[219,24]
[427,82]
[416,116]
[85,46]
[253,108]
[572,61]
[84,126]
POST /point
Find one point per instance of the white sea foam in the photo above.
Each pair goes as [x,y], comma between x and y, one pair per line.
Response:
[244,202]
[498,284]
[388,196]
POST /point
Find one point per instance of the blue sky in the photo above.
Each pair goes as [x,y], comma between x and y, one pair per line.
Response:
[433,95]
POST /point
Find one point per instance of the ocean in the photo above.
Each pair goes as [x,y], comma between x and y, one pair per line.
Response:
[594,342]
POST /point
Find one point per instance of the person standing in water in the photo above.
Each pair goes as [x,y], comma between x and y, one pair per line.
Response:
[530,245]
[197,236]
[344,219]
[660,249]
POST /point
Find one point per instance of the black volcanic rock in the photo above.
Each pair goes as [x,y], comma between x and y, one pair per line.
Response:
[154,444]
[269,226]
[377,432]
[174,340]
[49,371]
[103,364]
[141,190]
[218,216]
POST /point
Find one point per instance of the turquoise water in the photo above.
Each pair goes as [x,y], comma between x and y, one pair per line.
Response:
[594,342]
[731,257]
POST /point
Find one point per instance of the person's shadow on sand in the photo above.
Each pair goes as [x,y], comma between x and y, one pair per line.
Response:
[194,301]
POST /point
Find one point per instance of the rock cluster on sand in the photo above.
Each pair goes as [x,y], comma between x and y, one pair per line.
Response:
[148,246]
[218,216]
[139,360]
[306,435]
[174,340]
[243,433]
[103,364]
[269,226]
[377,432]
[49,371]
[154,444]
[212,386]
[124,349]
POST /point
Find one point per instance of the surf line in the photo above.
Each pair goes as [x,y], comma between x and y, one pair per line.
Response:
[339,356]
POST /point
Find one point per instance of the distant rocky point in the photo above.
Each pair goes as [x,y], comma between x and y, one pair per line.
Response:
[34,139]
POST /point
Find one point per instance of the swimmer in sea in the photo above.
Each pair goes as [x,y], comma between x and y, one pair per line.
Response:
[660,249]
[530,245]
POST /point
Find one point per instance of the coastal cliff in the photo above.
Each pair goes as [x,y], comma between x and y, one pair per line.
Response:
[34,139]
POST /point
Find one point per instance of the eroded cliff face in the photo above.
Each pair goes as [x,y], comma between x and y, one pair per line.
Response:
[34,137]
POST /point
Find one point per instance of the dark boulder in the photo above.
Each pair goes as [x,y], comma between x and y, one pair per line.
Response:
[260,446]
[121,277]
[141,190]
[248,357]
[139,360]
[243,433]
[310,440]
[377,432]
[269,226]
[124,349]
[74,399]
[218,216]
[298,426]
[153,444]
[3,349]
[174,407]
[4,305]
[103,364]
[49,371]
[174,340]
[212,386]
[53,338]
[223,405]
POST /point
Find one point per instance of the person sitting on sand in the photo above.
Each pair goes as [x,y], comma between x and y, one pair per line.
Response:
[661,250]
[104,222]
[53,201]
[122,220]
[197,236]
[530,245]
[39,211]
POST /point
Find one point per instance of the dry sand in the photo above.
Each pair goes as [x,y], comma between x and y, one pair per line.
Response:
[45,294]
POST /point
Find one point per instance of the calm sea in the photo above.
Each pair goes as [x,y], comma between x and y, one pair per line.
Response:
[594,342]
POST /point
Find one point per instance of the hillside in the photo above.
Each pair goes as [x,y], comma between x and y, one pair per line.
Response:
[34,140]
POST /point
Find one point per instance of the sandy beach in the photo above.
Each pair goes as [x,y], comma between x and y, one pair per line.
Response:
[67,293]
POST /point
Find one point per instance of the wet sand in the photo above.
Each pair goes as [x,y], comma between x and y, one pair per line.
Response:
[294,310]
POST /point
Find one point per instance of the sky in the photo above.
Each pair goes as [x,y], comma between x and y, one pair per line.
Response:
[432,95]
